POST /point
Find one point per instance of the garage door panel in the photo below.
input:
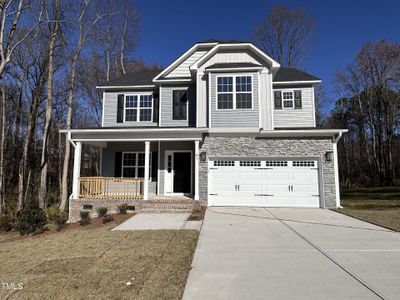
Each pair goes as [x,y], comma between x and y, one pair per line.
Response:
[264,183]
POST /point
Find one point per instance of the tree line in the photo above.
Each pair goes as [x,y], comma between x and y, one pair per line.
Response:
[52,53]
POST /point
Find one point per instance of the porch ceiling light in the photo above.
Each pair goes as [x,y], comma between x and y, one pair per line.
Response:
[329,156]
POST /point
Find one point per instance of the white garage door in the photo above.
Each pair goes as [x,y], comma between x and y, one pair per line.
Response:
[269,183]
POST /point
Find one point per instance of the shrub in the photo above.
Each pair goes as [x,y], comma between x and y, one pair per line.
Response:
[53,213]
[7,221]
[61,220]
[122,209]
[31,219]
[102,211]
[85,217]
[108,218]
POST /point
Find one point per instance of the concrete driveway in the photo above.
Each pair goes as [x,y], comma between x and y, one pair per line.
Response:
[281,253]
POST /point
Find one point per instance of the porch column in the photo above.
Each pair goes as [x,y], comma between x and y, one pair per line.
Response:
[196,169]
[76,171]
[146,170]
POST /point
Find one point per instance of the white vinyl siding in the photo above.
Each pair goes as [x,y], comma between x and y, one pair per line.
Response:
[183,69]
[291,117]
[237,117]
[110,107]
[231,57]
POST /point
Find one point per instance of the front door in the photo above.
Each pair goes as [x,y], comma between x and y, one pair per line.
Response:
[178,169]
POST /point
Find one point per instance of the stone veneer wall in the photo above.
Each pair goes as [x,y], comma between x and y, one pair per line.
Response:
[271,147]
[76,206]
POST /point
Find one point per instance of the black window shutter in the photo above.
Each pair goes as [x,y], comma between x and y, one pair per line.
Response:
[120,109]
[156,98]
[297,99]
[118,164]
[278,99]
[154,165]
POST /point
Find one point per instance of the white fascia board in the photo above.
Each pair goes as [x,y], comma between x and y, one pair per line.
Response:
[234,69]
[180,59]
[173,80]
[134,130]
[204,58]
[302,132]
[157,139]
[125,86]
[297,82]
[233,130]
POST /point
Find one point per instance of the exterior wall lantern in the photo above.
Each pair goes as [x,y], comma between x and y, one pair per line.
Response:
[329,156]
[203,156]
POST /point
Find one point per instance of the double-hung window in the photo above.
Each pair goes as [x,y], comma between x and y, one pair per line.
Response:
[179,105]
[138,108]
[133,164]
[288,99]
[234,92]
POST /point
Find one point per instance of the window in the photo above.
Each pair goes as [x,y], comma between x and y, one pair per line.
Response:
[303,163]
[276,163]
[225,93]
[133,164]
[288,99]
[224,163]
[179,105]
[234,96]
[245,163]
[138,108]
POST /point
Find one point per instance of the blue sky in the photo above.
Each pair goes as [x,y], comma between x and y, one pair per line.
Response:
[170,27]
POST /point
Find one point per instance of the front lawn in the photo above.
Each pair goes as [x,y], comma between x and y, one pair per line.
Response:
[380,206]
[96,263]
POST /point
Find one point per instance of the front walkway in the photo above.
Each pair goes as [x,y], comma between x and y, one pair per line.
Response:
[257,253]
[149,221]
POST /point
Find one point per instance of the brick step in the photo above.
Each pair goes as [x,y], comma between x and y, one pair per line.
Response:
[165,210]
[171,200]
[168,205]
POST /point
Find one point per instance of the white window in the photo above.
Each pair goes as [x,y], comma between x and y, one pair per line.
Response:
[234,92]
[288,99]
[138,108]
[133,165]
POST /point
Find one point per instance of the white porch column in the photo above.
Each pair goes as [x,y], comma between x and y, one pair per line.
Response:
[77,170]
[146,170]
[196,169]
[336,168]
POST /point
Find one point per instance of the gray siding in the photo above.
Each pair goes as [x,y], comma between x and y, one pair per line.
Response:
[238,117]
[304,117]
[202,100]
[110,107]
[166,94]
[231,57]
[183,69]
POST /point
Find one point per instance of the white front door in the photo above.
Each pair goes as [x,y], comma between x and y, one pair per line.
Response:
[269,183]
[169,172]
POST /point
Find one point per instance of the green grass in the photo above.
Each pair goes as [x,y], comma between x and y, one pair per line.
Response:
[97,264]
[380,206]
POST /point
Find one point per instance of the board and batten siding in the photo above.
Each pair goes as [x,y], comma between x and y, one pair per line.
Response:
[166,97]
[110,108]
[304,117]
[248,118]
[183,69]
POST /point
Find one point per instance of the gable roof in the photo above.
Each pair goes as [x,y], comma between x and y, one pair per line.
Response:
[137,78]
[291,74]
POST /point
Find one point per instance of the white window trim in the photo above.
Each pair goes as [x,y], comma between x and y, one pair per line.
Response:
[282,91]
[136,166]
[187,101]
[138,108]
[234,90]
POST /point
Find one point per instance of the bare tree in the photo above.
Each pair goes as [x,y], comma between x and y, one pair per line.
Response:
[285,35]
[50,79]
[85,25]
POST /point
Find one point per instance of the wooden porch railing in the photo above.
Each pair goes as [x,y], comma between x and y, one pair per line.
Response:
[111,187]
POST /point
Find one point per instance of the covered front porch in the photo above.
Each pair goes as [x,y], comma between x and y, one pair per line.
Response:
[138,167]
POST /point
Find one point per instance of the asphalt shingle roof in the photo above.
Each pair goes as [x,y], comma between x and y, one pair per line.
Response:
[292,74]
[144,77]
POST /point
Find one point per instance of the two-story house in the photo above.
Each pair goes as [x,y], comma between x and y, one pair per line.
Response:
[224,124]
